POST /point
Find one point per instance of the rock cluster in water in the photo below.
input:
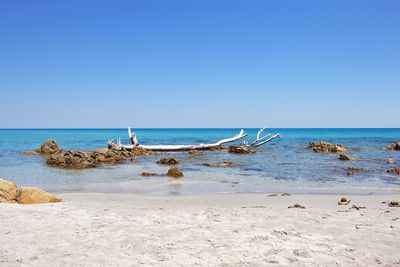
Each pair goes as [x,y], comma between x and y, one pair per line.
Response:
[395,170]
[167,161]
[50,147]
[9,193]
[77,159]
[240,150]
[394,146]
[175,173]
[325,147]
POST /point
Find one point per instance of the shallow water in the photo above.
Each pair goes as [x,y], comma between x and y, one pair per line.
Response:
[285,164]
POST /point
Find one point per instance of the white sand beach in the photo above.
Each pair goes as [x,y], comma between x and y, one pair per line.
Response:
[210,230]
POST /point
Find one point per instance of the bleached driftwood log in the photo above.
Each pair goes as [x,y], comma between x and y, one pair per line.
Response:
[258,142]
[135,142]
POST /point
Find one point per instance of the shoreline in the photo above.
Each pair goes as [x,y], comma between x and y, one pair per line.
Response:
[216,229]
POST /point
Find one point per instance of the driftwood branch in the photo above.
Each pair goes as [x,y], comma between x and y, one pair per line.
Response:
[260,140]
[135,142]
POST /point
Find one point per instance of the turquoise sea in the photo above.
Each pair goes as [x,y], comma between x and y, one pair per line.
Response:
[284,165]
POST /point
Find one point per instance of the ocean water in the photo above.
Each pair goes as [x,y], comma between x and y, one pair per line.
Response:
[283,165]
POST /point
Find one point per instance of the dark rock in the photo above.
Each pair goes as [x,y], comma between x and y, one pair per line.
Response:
[350,173]
[150,174]
[240,150]
[285,194]
[394,146]
[395,170]
[324,147]
[343,201]
[175,173]
[49,147]
[168,161]
[345,157]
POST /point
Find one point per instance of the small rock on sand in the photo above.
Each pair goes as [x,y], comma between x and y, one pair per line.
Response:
[33,195]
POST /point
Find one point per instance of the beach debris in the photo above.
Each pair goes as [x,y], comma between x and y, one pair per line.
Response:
[285,194]
[345,157]
[273,195]
[394,203]
[196,152]
[297,206]
[241,150]
[167,161]
[227,163]
[33,195]
[9,193]
[357,207]
[175,173]
[394,171]
[147,174]
[49,147]
[324,147]
[343,201]
[357,226]
[390,160]
[393,146]
[30,153]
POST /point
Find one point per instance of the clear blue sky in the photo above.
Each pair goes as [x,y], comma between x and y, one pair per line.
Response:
[199,63]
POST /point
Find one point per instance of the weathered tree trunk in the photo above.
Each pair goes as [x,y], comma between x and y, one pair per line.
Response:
[258,142]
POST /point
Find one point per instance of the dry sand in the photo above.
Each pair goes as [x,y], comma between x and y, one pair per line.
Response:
[208,230]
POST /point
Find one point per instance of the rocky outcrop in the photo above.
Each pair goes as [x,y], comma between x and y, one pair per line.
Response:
[345,157]
[394,171]
[140,151]
[325,147]
[167,161]
[33,195]
[175,173]
[394,146]
[76,159]
[240,150]
[50,147]
[8,192]
[227,163]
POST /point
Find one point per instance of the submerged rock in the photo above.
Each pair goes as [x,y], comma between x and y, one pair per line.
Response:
[240,150]
[30,153]
[196,152]
[147,174]
[140,151]
[393,146]
[49,147]
[33,195]
[391,160]
[395,170]
[167,161]
[8,192]
[345,157]
[227,163]
[220,148]
[175,173]
[325,147]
